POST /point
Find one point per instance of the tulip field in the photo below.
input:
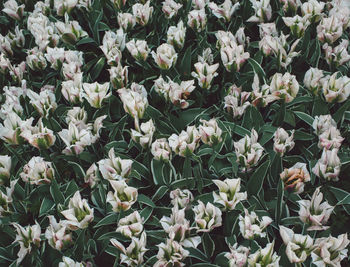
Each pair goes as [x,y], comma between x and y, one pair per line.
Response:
[169,133]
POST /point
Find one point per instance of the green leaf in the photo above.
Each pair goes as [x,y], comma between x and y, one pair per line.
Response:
[56,193]
[160,193]
[342,196]
[197,254]
[96,70]
[280,202]
[86,40]
[186,62]
[340,112]
[157,171]
[256,67]
[256,181]
[109,219]
[146,213]
[145,200]
[305,117]
[208,245]
[299,135]
[78,170]
[46,206]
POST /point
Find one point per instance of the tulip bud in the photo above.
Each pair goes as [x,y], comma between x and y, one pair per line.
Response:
[12,9]
[236,102]
[207,217]
[181,198]
[295,177]
[248,150]
[170,8]
[314,213]
[95,93]
[38,171]
[39,136]
[185,143]
[78,214]
[131,225]
[264,257]
[225,10]
[115,168]
[197,19]
[176,35]
[165,57]
[139,49]
[27,238]
[58,235]
[161,150]
[142,13]
[329,30]
[322,123]
[229,193]
[263,11]
[328,166]
[299,247]
[330,250]
[210,132]
[5,167]
[284,86]
[336,90]
[283,142]
[126,21]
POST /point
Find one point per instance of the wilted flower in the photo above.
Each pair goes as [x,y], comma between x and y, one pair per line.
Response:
[133,254]
[237,257]
[38,171]
[233,56]
[207,217]
[263,11]
[205,74]
[142,13]
[126,21]
[336,56]
[114,168]
[328,166]
[229,193]
[145,134]
[170,8]
[171,254]
[176,35]
[197,19]
[295,177]
[134,102]
[322,123]
[264,257]
[225,10]
[78,214]
[68,262]
[5,167]
[39,136]
[314,9]
[313,80]
[336,90]
[123,197]
[57,234]
[165,57]
[13,127]
[314,213]
[27,237]
[185,143]
[161,149]
[236,101]
[298,247]
[210,132]
[330,251]
[248,150]
[283,142]
[75,139]
[250,225]
[6,199]
[329,29]
[181,198]
[95,93]
[131,225]
[12,9]
[284,86]
[91,176]
[330,139]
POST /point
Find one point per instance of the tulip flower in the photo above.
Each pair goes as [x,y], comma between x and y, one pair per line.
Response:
[210,132]
[251,226]
[161,150]
[95,93]
[207,217]
[171,254]
[328,166]
[238,256]
[329,29]
[138,49]
[131,225]
[74,139]
[68,262]
[229,193]
[263,11]
[170,8]
[38,171]
[181,198]
[322,123]
[114,168]
[165,57]
[57,234]
[264,257]
[6,199]
[5,167]
[295,177]
[176,35]
[126,21]
[283,142]
[197,19]
[336,90]
[39,136]
[185,143]
[225,10]
[142,13]
[313,80]
[284,86]
[123,197]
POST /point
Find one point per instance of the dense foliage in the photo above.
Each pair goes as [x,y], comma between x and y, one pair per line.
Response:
[174,133]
